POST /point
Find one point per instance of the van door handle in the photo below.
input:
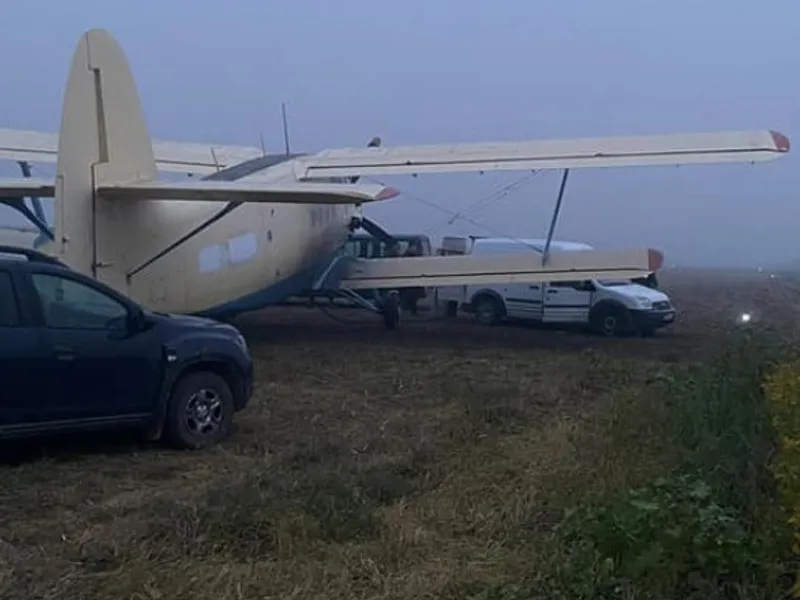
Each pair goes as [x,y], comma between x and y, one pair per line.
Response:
[64,353]
[552,291]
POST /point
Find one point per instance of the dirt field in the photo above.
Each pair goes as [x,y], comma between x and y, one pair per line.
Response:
[422,463]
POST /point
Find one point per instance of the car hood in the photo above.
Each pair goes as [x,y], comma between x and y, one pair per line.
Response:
[191,321]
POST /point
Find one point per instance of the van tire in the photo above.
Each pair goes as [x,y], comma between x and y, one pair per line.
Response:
[488,310]
[610,320]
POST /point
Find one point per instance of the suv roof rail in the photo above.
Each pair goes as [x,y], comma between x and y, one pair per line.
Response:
[31,254]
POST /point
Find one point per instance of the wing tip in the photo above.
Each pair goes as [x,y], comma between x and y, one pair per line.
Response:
[387,192]
[655,259]
[781,141]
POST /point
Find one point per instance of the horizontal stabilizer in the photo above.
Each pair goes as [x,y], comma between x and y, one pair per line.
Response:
[25,188]
[696,148]
[463,270]
[235,191]
[18,236]
[179,157]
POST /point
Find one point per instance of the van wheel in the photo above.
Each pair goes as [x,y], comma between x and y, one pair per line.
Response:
[610,321]
[488,310]
[200,411]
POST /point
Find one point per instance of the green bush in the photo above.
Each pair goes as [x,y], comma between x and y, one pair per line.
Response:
[712,527]
[671,538]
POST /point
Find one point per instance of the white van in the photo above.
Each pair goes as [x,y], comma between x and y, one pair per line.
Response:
[610,307]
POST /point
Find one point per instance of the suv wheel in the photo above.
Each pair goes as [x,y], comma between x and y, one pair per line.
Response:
[200,411]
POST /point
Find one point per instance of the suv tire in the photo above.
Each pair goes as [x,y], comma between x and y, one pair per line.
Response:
[200,411]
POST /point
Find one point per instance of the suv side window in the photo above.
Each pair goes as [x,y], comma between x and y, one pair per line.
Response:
[69,304]
[9,309]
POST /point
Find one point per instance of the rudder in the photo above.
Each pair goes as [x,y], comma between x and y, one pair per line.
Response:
[103,139]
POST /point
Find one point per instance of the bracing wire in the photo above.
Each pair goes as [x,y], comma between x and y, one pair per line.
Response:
[454,216]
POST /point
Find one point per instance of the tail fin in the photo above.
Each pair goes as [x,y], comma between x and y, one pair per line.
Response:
[103,139]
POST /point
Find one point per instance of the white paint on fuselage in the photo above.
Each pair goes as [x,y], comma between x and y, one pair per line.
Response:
[252,248]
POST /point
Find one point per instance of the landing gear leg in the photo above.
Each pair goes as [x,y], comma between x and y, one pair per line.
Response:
[390,310]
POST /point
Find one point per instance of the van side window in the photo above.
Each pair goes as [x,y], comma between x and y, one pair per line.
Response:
[565,284]
[9,309]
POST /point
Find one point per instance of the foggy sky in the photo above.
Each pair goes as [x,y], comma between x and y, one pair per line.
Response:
[428,71]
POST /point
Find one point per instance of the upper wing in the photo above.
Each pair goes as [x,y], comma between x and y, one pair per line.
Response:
[234,191]
[737,146]
[179,157]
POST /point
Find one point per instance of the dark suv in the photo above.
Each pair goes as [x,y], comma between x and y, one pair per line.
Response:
[77,355]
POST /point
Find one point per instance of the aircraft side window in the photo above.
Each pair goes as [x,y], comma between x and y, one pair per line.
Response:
[9,309]
[68,304]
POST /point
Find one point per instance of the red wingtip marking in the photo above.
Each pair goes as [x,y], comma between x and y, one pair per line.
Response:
[655,259]
[781,141]
[387,193]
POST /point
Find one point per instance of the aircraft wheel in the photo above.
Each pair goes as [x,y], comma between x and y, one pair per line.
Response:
[391,310]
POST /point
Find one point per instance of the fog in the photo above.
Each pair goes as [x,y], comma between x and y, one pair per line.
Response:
[428,71]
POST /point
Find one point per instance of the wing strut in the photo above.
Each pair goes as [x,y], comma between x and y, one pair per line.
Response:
[554,219]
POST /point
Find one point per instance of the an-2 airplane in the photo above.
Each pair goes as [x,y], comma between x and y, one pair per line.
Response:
[257,229]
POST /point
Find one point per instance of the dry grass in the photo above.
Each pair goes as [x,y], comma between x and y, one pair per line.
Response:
[414,464]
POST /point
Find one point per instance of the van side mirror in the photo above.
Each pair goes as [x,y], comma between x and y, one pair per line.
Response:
[584,286]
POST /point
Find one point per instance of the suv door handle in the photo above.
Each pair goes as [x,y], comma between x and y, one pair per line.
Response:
[64,353]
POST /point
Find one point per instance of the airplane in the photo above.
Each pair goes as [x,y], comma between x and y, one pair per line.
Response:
[259,228]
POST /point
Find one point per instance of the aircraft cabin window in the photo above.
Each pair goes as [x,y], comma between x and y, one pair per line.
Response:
[9,309]
[68,304]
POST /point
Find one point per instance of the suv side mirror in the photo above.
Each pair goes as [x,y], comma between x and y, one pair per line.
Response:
[130,324]
[137,320]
